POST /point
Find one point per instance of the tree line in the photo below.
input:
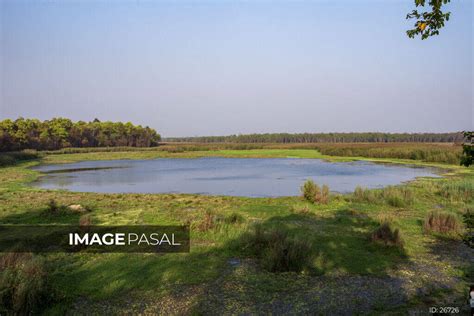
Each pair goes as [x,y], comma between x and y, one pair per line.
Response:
[62,132]
[327,138]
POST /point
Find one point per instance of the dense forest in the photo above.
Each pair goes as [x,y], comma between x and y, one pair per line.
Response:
[327,138]
[61,133]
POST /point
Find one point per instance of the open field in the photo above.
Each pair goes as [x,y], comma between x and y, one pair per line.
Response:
[345,270]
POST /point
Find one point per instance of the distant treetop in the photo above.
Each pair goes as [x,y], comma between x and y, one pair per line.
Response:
[327,138]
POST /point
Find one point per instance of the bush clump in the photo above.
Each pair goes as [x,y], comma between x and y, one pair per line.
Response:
[313,193]
[443,223]
[387,235]
[468,220]
[277,251]
[24,285]
[53,208]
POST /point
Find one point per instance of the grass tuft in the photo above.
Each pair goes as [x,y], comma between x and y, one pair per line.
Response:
[277,251]
[387,235]
[398,196]
[443,223]
[85,220]
[24,284]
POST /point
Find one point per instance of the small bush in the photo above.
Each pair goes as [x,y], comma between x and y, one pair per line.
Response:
[441,223]
[277,252]
[468,220]
[309,191]
[312,192]
[324,199]
[24,285]
[388,236]
[53,206]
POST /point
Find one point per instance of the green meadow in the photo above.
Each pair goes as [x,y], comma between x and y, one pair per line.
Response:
[241,259]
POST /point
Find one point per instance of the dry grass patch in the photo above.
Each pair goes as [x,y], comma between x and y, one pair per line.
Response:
[24,285]
[443,223]
[387,235]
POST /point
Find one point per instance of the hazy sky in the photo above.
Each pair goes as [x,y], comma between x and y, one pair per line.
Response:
[190,68]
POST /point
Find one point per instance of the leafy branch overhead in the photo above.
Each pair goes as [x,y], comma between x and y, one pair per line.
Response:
[428,23]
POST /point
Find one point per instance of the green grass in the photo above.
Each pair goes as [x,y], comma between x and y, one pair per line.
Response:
[337,233]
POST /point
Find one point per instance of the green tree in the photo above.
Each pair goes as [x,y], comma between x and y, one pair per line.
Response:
[467,158]
[429,22]
[62,132]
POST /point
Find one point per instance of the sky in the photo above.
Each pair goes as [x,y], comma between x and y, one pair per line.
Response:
[197,68]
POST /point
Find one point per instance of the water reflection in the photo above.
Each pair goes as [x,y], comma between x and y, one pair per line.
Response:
[222,176]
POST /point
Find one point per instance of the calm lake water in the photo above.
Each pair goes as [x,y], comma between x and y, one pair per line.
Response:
[222,176]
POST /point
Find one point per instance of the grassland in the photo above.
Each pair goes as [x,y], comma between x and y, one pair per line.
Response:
[347,271]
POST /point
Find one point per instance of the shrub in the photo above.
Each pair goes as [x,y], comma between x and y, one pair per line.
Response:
[309,191]
[276,251]
[387,235]
[24,285]
[53,207]
[468,219]
[441,223]
[324,195]
[313,193]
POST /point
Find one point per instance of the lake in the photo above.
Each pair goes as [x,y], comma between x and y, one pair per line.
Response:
[260,177]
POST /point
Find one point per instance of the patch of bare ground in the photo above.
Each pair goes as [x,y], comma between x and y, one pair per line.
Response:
[243,288]
[180,301]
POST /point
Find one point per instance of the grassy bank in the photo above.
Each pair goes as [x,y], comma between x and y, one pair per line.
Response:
[346,268]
